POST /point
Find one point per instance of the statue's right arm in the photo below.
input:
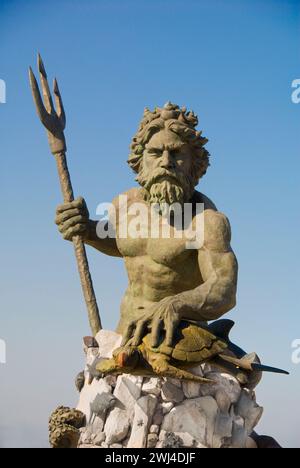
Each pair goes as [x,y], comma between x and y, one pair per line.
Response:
[73,219]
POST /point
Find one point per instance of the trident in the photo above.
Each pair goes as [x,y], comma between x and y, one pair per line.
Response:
[55,123]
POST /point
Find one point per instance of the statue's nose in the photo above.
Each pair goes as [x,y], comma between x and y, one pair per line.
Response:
[167,162]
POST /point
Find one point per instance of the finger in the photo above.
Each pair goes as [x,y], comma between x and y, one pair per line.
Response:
[74,231]
[74,221]
[61,218]
[156,332]
[139,332]
[78,203]
[171,324]
[128,333]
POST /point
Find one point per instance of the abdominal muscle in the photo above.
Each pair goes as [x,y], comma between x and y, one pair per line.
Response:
[149,283]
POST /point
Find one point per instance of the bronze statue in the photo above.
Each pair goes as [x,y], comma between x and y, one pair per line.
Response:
[173,290]
[167,282]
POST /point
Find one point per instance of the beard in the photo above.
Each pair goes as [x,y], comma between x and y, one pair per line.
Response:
[164,188]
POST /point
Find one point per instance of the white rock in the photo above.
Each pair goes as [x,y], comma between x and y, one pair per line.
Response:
[197,370]
[97,426]
[195,417]
[248,409]
[91,354]
[175,382]
[99,438]
[206,369]
[166,407]
[191,389]
[108,341]
[223,401]
[223,430]
[154,429]
[222,415]
[170,392]
[153,386]
[143,413]
[117,426]
[152,440]
[88,395]
[127,392]
[225,382]
[86,436]
[239,433]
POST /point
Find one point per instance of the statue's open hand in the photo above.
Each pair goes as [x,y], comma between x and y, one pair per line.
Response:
[72,219]
[162,316]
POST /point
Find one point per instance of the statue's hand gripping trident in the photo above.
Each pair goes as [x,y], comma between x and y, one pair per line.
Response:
[55,122]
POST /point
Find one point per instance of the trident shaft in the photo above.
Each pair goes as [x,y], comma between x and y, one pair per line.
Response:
[55,122]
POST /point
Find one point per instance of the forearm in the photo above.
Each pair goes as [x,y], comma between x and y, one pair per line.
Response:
[105,245]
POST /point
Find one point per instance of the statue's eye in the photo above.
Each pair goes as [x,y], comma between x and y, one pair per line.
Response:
[154,152]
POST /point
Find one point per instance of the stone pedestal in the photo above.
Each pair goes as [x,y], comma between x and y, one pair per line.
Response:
[138,412]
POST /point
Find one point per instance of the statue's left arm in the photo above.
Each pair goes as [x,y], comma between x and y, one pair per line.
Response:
[219,269]
[209,301]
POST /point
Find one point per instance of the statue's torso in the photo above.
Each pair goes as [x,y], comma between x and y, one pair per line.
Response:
[156,267]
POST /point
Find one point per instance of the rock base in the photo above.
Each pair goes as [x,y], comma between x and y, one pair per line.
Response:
[139,412]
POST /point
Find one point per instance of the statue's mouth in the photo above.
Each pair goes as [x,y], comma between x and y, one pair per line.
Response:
[166,177]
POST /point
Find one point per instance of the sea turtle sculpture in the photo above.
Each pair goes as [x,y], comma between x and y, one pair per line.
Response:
[194,345]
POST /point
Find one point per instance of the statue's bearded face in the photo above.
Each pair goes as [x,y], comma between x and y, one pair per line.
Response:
[166,169]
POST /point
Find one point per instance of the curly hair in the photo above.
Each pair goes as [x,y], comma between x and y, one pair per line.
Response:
[179,121]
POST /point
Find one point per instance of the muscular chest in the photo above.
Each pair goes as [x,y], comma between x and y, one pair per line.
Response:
[142,235]
[162,251]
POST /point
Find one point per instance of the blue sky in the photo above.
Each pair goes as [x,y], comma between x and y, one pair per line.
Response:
[233,63]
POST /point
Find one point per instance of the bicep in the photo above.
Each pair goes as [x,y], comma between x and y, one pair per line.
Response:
[216,258]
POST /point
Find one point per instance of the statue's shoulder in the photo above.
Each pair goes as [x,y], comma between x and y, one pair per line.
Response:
[217,225]
[199,197]
[128,197]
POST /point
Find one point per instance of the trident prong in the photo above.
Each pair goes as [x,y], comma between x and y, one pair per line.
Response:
[59,105]
[54,121]
[45,87]
[42,113]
